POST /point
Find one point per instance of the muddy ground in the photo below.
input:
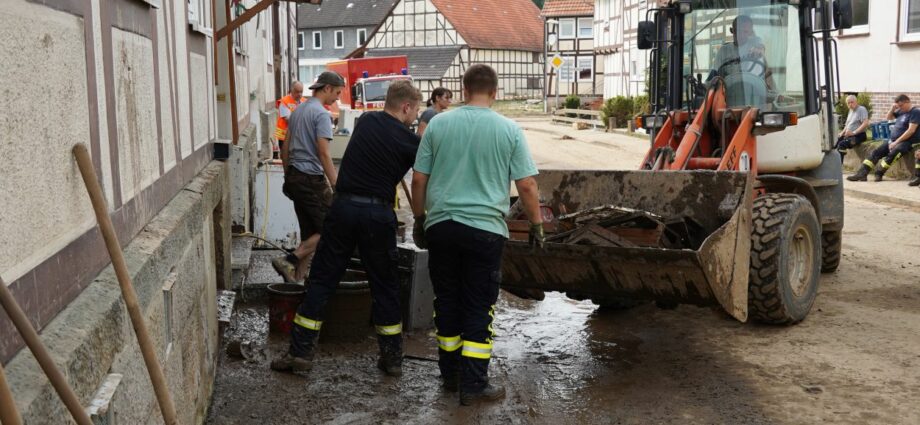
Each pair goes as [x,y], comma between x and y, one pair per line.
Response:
[855,359]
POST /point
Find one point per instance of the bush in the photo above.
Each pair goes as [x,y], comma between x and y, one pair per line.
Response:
[842,110]
[620,108]
[572,102]
[641,105]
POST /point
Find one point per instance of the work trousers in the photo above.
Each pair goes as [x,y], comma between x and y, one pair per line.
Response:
[886,157]
[849,142]
[372,228]
[465,267]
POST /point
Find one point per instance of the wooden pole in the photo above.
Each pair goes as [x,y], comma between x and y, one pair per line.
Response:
[242,19]
[124,281]
[231,76]
[42,356]
[9,414]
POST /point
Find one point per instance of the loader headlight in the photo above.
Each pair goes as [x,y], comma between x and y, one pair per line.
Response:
[649,122]
[778,119]
[684,7]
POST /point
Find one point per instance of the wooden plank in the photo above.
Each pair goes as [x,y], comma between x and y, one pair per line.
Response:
[578,112]
[578,120]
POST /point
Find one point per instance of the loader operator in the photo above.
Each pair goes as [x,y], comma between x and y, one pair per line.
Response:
[379,154]
[463,172]
[904,137]
[744,55]
[307,166]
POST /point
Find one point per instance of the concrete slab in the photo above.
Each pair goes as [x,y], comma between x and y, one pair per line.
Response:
[260,268]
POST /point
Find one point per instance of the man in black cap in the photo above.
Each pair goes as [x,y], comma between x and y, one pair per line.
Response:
[307,167]
[380,152]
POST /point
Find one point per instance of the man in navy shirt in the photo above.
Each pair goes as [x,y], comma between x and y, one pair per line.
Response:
[380,152]
[904,137]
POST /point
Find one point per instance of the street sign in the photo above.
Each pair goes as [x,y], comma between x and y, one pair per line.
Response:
[556,62]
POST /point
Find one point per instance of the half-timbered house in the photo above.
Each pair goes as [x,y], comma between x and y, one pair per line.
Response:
[569,27]
[615,24]
[441,38]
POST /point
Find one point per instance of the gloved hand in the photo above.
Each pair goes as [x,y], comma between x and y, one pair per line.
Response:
[536,238]
[418,232]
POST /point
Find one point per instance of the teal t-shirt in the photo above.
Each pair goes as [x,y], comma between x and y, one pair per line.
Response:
[471,155]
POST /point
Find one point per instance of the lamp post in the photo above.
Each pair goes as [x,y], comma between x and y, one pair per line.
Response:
[550,38]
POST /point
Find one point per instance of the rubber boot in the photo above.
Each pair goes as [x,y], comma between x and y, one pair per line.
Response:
[449,363]
[299,357]
[861,175]
[489,393]
[915,181]
[880,173]
[391,354]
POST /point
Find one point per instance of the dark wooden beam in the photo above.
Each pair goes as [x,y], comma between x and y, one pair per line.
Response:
[231,76]
[242,19]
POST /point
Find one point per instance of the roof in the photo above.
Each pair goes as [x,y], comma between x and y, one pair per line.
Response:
[557,8]
[343,13]
[425,63]
[495,24]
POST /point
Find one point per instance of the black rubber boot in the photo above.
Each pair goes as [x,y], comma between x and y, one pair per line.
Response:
[489,393]
[391,354]
[880,173]
[915,181]
[861,175]
[299,357]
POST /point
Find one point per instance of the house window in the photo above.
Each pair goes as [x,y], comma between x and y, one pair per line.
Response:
[300,42]
[340,39]
[860,12]
[362,36]
[585,27]
[567,28]
[910,20]
[317,40]
[585,67]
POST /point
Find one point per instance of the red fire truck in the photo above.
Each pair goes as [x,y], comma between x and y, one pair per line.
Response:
[367,80]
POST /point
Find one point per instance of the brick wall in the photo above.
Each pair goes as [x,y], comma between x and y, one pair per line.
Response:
[881,103]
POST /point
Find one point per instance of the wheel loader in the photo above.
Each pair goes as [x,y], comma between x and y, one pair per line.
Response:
[742,137]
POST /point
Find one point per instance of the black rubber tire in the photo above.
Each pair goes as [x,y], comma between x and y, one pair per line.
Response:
[831,242]
[777,219]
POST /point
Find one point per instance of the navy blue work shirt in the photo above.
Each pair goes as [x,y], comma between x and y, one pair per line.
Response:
[380,152]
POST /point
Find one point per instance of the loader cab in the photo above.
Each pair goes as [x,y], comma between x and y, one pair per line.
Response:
[773,55]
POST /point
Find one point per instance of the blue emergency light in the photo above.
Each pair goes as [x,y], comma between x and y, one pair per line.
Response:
[405,71]
[365,74]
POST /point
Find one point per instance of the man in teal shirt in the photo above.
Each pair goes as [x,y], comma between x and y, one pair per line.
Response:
[465,164]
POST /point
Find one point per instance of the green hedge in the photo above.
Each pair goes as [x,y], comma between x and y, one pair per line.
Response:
[623,109]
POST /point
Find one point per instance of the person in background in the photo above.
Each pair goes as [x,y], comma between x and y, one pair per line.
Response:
[854,131]
[904,137]
[307,167]
[440,100]
[286,106]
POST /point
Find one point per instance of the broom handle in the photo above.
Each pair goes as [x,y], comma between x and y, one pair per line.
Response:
[30,336]
[124,281]
[9,415]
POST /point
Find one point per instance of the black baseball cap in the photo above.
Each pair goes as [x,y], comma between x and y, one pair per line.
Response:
[328,78]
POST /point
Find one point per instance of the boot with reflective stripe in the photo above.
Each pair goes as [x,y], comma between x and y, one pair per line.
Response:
[861,174]
[881,170]
[391,354]
[489,393]
[303,341]
[915,181]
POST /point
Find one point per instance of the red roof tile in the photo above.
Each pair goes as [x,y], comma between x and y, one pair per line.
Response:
[554,8]
[495,24]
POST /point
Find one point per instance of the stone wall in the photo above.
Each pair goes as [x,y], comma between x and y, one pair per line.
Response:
[882,101]
[185,249]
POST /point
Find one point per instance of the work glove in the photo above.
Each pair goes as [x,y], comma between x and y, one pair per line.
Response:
[536,238]
[418,232]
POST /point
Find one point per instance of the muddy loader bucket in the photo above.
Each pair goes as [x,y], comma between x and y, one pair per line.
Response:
[714,272]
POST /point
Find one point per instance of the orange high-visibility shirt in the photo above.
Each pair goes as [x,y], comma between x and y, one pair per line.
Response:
[286,107]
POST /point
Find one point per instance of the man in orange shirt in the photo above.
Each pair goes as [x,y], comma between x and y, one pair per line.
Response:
[286,106]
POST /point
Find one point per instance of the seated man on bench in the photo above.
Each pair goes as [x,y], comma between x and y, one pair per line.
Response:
[854,132]
[904,137]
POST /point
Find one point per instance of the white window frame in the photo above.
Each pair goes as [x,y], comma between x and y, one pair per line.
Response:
[335,39]
[301,41]
[358,36]
[590,60]
[903,35]
[590,26]
[860,29]
[571,35]
[317,46]
[199,16]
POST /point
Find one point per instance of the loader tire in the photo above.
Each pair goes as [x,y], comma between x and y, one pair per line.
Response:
[785,259]
[830,245]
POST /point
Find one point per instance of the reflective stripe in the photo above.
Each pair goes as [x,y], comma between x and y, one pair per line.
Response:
[883,164]
[280,133]
[449,343]
[390,330]
[492,315]
[307,323]
[869,164]
[476,350]
[917,165]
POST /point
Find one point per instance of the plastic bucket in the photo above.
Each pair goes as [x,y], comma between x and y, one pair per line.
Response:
[283,299]
[348,312]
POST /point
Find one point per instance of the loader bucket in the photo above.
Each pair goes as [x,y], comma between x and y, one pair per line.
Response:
[715,272]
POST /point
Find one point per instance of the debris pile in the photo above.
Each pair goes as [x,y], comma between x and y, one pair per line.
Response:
[614,226]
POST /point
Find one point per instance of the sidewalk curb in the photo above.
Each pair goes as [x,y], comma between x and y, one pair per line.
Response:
[874,197]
